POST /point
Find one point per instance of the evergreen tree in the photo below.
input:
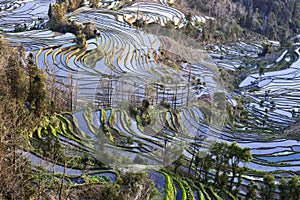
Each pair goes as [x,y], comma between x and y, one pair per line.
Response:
[50,11]
[197,160]
[37,86]
[177,163]
[220,157]
[268,190]
[294,187]
[237,155]
[14,69]
[206,164]
[283,189]
[252,191]
[94,3]
[58,20]
[81,39]
[15,123]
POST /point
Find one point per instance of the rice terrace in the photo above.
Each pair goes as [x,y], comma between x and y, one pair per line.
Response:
[150,99]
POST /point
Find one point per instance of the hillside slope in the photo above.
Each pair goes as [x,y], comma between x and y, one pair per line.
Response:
[275,19]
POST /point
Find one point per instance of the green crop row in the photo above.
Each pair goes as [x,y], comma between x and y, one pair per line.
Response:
[170,190]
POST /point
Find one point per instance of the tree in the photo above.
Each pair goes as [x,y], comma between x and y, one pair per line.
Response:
[130,140]
[197,160]
[267,49]
[73,4]
[205,165]
[15,169]
[89,29]
[15,122]
[14,74]
[57,14]
[273,103]
[220,156]
[236,156]
[20,80]
[268,190]
[81,39]
[37,86]
[94,3]
[252,191]
[193,154]
[177,163]
[283,189]
[50,11]
[294,187]
[261,70]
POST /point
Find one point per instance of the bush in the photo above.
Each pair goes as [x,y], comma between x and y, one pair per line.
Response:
[96,179]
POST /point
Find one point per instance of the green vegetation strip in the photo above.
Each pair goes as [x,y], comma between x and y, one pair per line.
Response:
[170,191]
[66,131]
[189,192]
[112,118]
[229,195]
[88,116]
[125,120]
[183,197]
[204,192]
[103,117]
[192,184]
[215,196]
